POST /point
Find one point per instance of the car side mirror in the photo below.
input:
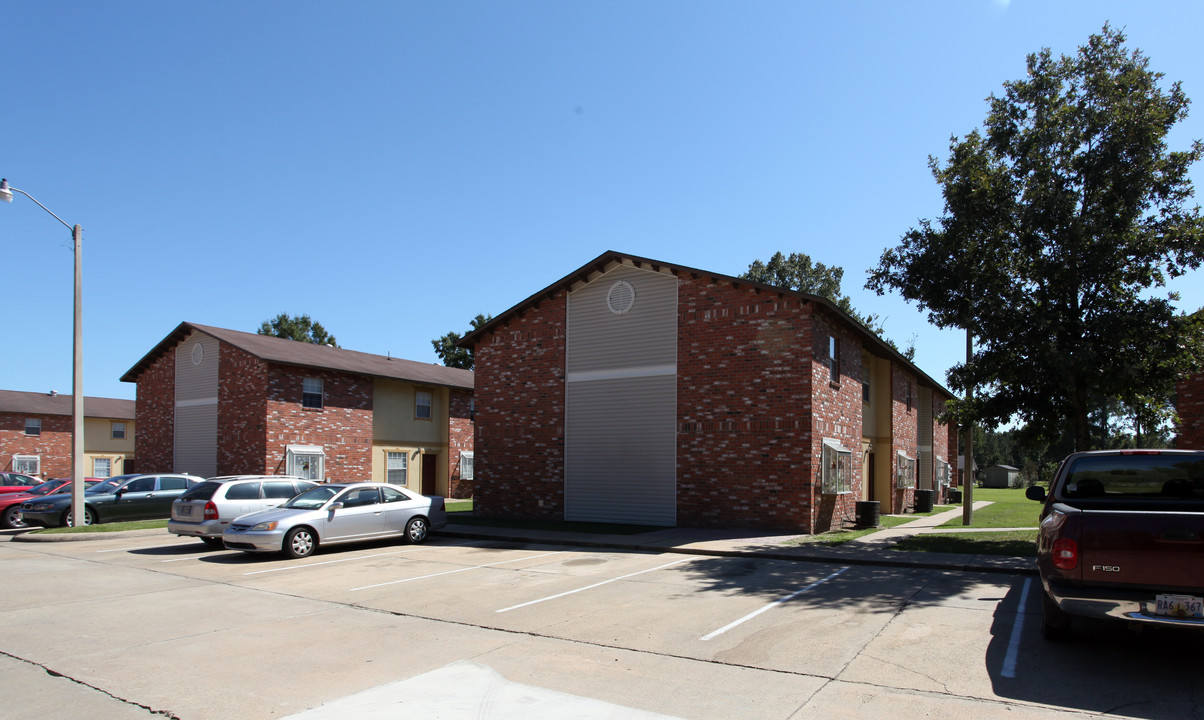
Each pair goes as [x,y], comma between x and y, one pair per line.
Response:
[1035,492]
[336,505]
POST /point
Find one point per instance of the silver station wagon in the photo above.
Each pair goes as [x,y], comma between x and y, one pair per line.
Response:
[206,509]
[338,513]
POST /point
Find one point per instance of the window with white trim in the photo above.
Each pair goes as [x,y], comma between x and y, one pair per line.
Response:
[395,468]
[33,426]
[102,467]
[118,431]
[27,464]
[905,472]
[838,468]
[466,465]
[311,393]
[423,402]
[307,462]
[943,473]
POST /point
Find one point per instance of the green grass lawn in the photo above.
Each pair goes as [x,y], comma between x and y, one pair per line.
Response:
[840,537]
[1010,509]
[1017,543]
[107,527]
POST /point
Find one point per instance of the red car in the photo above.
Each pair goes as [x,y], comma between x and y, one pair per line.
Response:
[11,482]
[10,503]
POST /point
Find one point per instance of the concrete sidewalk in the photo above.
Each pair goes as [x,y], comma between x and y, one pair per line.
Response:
[872,549]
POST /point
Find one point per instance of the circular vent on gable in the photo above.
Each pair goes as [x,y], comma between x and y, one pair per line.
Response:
[621,297]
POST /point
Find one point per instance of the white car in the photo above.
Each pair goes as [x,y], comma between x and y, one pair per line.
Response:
[338,513]
[206,509]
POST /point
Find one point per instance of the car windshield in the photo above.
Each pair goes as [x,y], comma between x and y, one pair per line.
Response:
[313,499]
[107,486]
[1160,476]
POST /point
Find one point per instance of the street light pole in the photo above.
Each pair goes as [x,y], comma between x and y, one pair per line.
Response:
[77,360]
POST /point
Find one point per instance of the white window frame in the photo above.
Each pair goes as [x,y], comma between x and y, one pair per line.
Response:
[404,468]
[300,459]
[311,387]
[419,405]
[905,472]
[27,464]
[466,461]
[943,473]
[96,465]
[837,475]
[118,431]
[34,424]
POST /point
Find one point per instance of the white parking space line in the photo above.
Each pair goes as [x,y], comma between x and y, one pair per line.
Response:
[771,606]
[1009,660]
[452,572]
[140,547]
[350,559]
[591,587]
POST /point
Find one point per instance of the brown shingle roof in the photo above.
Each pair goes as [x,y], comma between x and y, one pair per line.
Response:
[32,403]
[302,354]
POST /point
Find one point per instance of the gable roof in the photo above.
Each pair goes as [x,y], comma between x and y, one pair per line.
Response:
[302,354]
[612,259]
[33,403]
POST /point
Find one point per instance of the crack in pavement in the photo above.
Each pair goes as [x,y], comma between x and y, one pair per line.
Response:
[54,673]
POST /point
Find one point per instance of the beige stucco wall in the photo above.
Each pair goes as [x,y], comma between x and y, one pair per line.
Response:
[99,443]
[395,429]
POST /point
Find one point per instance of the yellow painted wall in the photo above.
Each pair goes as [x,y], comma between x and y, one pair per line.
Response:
[396,429]
[99,443]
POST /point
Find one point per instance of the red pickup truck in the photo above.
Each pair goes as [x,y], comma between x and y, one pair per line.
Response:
[1122,536]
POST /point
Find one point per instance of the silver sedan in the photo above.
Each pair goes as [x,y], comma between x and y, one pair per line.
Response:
[337,513]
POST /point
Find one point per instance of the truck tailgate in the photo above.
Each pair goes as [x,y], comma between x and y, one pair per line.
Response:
[1159,550]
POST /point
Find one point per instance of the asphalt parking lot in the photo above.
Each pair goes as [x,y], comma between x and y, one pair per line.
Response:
[133,626]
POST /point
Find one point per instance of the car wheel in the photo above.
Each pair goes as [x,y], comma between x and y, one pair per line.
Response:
[12,517]
[300,542]
[89,517]
[417,529]
[213,541]
[1055,623]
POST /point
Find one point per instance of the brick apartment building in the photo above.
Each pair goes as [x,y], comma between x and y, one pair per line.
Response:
[35,435]
[639,391]
[1189,403]
[213,401]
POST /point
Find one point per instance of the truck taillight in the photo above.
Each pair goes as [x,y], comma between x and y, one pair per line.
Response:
[210,511]
[1065,554]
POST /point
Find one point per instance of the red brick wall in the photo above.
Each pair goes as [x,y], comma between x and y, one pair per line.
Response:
[744,376]
[1190,405]
[343,426]
[905,419]
[155,409]
[241,411]
[836,410]
[519,387]
[53,445]
[459,439]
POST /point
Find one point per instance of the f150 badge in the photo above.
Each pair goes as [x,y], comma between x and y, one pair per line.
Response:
[1106,568]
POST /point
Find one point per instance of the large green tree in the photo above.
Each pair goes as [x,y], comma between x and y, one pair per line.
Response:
[1060,220]
[450,353]
[301,328]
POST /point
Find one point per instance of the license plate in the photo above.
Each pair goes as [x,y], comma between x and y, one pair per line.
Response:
[1184,606]
[185,509]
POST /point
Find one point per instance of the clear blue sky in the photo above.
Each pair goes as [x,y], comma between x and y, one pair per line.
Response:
[394,168]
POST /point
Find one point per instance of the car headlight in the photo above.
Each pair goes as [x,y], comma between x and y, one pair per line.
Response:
[265,526]
[41,507]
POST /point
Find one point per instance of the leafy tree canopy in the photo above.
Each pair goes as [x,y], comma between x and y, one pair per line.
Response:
[301,328]
[1059,219]
[450,354]
[797,272]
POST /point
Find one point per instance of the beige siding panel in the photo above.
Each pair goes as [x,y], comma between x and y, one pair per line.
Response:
[621,399]
[196,406]
[620,451]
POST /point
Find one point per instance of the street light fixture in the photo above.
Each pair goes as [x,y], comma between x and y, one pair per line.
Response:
[77,373]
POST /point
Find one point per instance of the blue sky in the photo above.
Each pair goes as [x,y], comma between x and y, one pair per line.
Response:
[394,168]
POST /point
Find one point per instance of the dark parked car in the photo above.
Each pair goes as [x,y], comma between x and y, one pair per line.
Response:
[11,482]
[1122,536]
[125,497]
[10,503]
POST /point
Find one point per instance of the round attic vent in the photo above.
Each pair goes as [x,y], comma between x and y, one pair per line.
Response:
[198,353]
[621,297]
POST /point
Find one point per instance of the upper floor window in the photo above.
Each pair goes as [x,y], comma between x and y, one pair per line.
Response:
[422,405]
[834,358]
[33,426]
[118,431]
[311,393]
